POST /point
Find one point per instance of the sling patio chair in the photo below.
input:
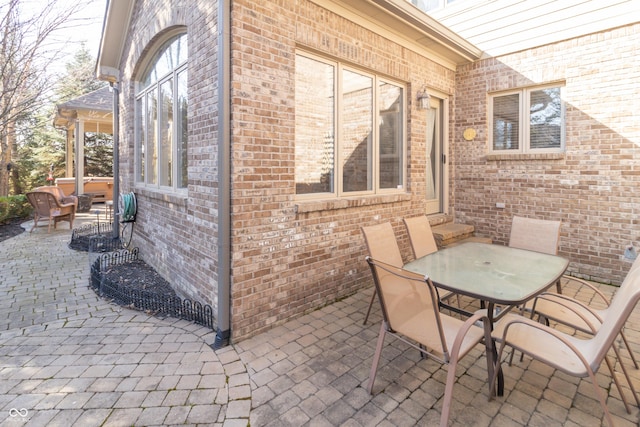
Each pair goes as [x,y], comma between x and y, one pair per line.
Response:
[410,313]
[539,235]
[420,236]
[578,315]
[46,206]
[570,354]
[382,245]
[543,236]
[423,243]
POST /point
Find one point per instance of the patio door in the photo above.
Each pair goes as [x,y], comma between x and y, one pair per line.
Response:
[436,158]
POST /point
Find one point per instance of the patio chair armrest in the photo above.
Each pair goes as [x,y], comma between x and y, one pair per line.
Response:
[570,304]
[582,282]
[530,323]
[455,356]
[480,315]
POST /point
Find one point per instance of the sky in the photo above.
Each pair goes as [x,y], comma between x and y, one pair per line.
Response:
[87,26]
[91,29]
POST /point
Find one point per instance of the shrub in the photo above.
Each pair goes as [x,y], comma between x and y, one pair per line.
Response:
[12,207]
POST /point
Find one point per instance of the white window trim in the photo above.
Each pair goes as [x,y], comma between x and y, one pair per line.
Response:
[338,192]
[173,189]
[524,120]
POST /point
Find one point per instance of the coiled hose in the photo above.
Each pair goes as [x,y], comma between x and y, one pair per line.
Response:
[128,207]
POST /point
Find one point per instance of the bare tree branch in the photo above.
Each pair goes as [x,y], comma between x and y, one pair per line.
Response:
[28,49]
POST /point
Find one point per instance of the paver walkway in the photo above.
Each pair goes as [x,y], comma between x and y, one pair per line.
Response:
[68,358]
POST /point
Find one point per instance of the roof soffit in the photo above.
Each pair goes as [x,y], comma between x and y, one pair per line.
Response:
[397,17]
[400,20]
[114,31]
[96,106]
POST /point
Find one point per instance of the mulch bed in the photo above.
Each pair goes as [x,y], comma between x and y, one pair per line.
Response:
[11,229]
[138,276]
[128,281]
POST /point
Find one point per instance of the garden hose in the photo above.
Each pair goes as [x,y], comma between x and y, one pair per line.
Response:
[128,207]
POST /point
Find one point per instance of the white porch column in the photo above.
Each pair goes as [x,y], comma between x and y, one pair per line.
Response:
[79,157]
[69,155]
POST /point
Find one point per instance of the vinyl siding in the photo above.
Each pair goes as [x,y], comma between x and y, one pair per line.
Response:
[504,26]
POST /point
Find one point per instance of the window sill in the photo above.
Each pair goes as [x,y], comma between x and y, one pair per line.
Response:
[350,202]
[153,194]
[526,156]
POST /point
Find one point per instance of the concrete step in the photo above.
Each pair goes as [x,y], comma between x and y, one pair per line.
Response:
[439,219]
[450,233]
[478,239]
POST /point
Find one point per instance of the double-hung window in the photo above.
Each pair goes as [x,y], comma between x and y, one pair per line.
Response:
[350,130]
[529,120]
[161,119]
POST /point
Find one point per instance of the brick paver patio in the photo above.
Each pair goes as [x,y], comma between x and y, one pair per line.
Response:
[69,358]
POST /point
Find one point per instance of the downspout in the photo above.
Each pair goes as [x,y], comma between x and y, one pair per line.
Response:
[223,333]
[116,158]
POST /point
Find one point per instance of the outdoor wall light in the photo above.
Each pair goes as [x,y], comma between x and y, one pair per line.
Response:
[423,98]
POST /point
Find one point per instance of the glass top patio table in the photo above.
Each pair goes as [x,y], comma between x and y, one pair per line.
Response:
[492,273]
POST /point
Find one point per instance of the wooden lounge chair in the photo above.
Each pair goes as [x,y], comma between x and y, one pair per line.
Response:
[46,206]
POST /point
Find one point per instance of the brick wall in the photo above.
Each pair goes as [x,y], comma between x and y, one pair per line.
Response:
[291,257]
[594,187]
[176,234]
[287,257]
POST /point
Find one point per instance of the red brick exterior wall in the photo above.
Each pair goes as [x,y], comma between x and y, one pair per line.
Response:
[176,234]
[287,257]
[291,257]
[593,187]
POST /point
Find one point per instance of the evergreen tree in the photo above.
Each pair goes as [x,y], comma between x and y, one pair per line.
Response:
[41,149]
[29,50]
[27,47]
[79,78]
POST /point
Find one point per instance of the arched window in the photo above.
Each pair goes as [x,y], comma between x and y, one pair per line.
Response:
[161,118]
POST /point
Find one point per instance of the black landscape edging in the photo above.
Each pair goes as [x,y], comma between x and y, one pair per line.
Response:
[94,238]
[148,301]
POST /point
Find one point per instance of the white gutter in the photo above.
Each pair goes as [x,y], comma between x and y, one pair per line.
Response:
[116,20]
